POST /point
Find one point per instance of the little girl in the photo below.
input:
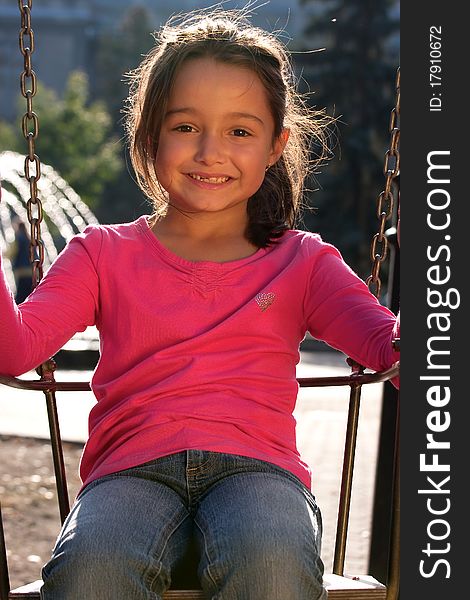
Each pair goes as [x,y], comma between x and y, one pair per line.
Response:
[201,309]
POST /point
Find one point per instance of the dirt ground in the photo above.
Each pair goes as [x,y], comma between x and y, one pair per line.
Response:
[29,502]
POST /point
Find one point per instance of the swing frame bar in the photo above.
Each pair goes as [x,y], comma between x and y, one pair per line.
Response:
[335,582]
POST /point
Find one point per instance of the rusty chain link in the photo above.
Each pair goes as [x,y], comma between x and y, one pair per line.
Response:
[385,201]
[30,128]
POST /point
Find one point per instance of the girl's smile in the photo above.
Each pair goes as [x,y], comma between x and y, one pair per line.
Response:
[209,181]
[216,139]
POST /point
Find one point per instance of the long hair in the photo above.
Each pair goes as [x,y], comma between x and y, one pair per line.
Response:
[228,37]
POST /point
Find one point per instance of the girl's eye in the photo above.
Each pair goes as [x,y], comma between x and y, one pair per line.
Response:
[184,128]
[240,133]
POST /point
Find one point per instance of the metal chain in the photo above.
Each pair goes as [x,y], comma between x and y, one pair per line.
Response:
[385,201]
[30,128]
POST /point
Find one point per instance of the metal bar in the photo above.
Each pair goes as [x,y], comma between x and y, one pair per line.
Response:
[57,455]
[393,580]
[4,577]
[346,480]
[380,540]
[56,386]
[353,379]
[84,386]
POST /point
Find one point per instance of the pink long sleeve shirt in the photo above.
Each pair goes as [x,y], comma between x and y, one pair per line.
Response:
[193,355]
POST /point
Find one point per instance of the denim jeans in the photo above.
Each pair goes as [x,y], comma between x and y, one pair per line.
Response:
[257,529]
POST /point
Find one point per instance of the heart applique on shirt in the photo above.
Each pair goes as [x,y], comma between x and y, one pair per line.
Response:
[264,300]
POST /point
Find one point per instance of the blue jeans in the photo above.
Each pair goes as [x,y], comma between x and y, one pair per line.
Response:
[257,528]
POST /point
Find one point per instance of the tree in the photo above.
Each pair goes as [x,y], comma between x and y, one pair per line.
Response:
[74,138]
[354,79]
[9,137]
[117,53]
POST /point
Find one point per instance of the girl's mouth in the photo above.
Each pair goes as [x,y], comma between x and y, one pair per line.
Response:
[207,179]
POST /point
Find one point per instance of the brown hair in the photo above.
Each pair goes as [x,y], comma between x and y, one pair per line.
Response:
[228,36]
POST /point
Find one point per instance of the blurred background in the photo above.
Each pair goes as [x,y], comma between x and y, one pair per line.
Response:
[83,48]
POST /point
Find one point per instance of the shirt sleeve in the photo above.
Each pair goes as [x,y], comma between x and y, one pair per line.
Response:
[342,311]
[65,301]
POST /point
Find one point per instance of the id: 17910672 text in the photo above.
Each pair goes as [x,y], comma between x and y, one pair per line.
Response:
[435,68]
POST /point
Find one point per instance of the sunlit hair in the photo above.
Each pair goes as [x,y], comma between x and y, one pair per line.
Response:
[229,37]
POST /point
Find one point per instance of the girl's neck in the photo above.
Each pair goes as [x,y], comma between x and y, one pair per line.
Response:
[204,237]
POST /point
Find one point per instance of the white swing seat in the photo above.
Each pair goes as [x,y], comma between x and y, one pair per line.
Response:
[361,587]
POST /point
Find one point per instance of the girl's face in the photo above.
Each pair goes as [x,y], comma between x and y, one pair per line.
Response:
[216,138]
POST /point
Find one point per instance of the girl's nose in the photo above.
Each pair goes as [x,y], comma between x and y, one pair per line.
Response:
[210,150]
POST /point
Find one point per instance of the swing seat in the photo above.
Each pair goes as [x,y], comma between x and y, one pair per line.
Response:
[339,588]
[339,585]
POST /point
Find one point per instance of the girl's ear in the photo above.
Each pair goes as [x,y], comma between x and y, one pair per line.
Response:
[279,145]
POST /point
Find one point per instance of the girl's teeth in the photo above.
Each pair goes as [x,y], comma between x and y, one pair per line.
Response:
[209,179]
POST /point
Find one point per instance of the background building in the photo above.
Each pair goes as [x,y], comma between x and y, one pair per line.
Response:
[67,34]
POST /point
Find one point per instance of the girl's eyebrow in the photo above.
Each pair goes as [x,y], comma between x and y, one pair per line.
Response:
[243,115]
[192,111]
